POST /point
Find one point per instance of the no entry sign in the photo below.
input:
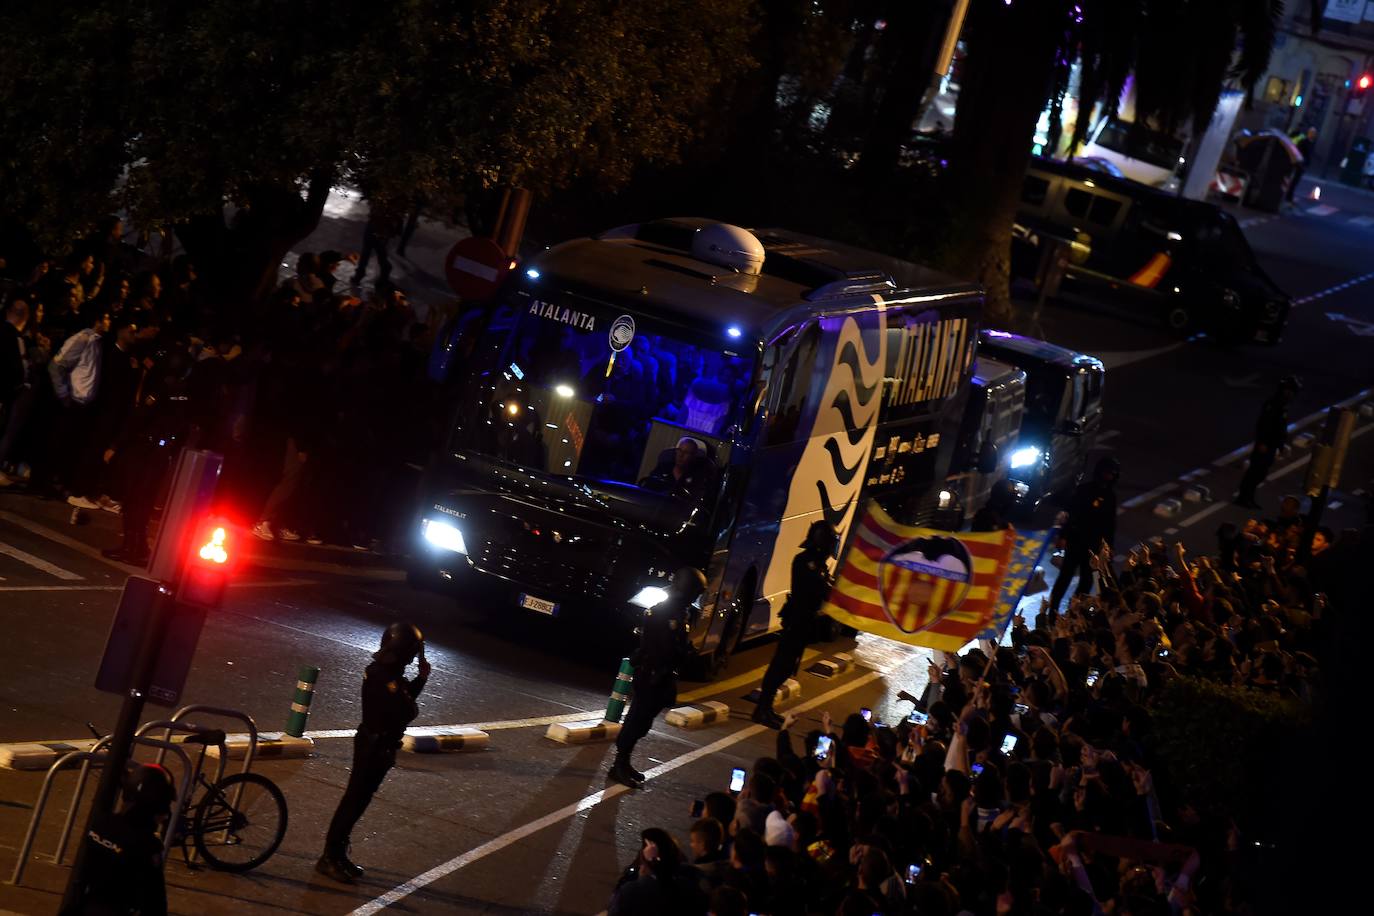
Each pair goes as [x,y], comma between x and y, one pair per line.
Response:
[475,267]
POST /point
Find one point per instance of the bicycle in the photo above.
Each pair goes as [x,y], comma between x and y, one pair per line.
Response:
[237,822]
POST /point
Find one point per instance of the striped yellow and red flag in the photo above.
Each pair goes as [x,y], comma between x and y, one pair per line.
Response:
[918,585]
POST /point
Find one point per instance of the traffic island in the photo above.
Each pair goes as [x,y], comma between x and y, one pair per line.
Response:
[271,745]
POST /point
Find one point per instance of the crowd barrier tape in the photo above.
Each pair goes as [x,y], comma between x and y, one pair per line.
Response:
[699,715]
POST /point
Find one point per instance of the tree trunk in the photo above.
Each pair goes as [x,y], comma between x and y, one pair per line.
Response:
[916,31]
[239,260]
[1005,82]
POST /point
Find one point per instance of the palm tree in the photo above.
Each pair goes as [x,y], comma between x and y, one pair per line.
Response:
[1181,53]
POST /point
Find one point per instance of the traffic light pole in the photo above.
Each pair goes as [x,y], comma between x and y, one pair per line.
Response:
[121,742]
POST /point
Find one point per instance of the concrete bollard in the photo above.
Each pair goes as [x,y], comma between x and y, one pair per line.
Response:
[620,691]
[1197,493]
[300,703]
[789,690]
[1304,440]
[582,732]
[1367,409]
[444,738]
[698,716]
[1168,508]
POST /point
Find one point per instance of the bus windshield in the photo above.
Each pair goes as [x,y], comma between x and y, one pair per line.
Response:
[579,391]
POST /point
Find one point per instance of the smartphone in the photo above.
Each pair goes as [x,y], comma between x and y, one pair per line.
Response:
[1163,653]
[976,770]
[1014,690]
[736,780]
[913,872]
[698,808]
[823,746]
[1093,675]
[918,718]
[867,714]
[1021,709]
[1009,744]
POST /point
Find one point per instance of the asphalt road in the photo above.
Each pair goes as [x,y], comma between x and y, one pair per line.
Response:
[529,825]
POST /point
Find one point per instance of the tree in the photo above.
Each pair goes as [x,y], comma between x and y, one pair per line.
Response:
[231,119]
[1181,53]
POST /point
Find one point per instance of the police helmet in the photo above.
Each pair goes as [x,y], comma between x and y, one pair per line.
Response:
[149,787]
[688,582]
[400,642]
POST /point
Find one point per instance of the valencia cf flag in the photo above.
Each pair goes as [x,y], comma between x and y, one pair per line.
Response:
[920,586]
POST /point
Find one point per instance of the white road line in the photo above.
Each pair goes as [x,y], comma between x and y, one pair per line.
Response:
[1194,519]
[1147,496]
[58,537]
[511,837]
[1332,290]
[23,556]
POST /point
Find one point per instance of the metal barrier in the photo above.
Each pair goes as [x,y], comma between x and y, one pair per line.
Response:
[243,717]
[85,757]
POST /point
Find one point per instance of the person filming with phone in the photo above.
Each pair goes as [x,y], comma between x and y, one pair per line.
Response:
[389,705]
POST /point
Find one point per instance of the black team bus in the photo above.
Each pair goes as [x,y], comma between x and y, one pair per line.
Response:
[686,392]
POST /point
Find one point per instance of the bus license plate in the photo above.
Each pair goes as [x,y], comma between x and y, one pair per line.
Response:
[539,604]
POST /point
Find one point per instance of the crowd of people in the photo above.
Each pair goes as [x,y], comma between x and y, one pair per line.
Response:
[112,358]
[1028,779]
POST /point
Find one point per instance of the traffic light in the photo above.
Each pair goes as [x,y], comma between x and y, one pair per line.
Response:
[1362,85]
[207,564]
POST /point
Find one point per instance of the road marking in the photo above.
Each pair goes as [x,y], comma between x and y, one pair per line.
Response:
[1362,220]
[1244,450]
[23,556]
[1194,519]
[739,680]
[1147,496]
[1332,290]
[1321,210]
[511,837]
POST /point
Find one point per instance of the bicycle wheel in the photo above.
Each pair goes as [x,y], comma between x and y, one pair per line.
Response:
[239,822]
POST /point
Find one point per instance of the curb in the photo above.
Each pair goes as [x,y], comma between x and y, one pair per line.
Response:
[39,755]
[831,667]
[698,716]
[271,745]
[437,740]
[582,732]
[789,691]
[1197,493]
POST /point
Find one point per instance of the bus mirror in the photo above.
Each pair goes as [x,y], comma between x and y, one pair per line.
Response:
[988,458]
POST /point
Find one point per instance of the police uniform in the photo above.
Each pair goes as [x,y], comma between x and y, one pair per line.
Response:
[1271,432]
[389,705]
[664,645]
[1092,520]
[811,582]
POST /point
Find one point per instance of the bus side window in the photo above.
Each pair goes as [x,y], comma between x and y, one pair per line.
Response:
[790,386]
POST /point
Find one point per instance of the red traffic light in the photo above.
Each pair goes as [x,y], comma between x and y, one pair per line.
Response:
[214,550]
[1365,81]
[206,571]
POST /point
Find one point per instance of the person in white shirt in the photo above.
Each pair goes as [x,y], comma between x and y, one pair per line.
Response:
[75,374]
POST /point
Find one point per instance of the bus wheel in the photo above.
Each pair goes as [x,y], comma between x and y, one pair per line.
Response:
[1178,318]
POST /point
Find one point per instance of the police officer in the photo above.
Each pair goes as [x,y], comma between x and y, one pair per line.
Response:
[1271,432]
[811,581]
[124,854]
[388,707]
[664,643]
[1092,521]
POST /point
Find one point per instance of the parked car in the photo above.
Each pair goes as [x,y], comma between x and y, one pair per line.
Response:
[1140,153]
[1147,254]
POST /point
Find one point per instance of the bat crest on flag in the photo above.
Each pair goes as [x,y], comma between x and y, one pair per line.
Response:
[923,579]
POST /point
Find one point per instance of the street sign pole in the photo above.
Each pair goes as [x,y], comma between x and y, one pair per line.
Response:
[192,490]
[121,742]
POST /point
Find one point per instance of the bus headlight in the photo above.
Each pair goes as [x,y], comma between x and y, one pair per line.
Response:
[648,596]
[1025,457]
[443,535]
[946,498]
